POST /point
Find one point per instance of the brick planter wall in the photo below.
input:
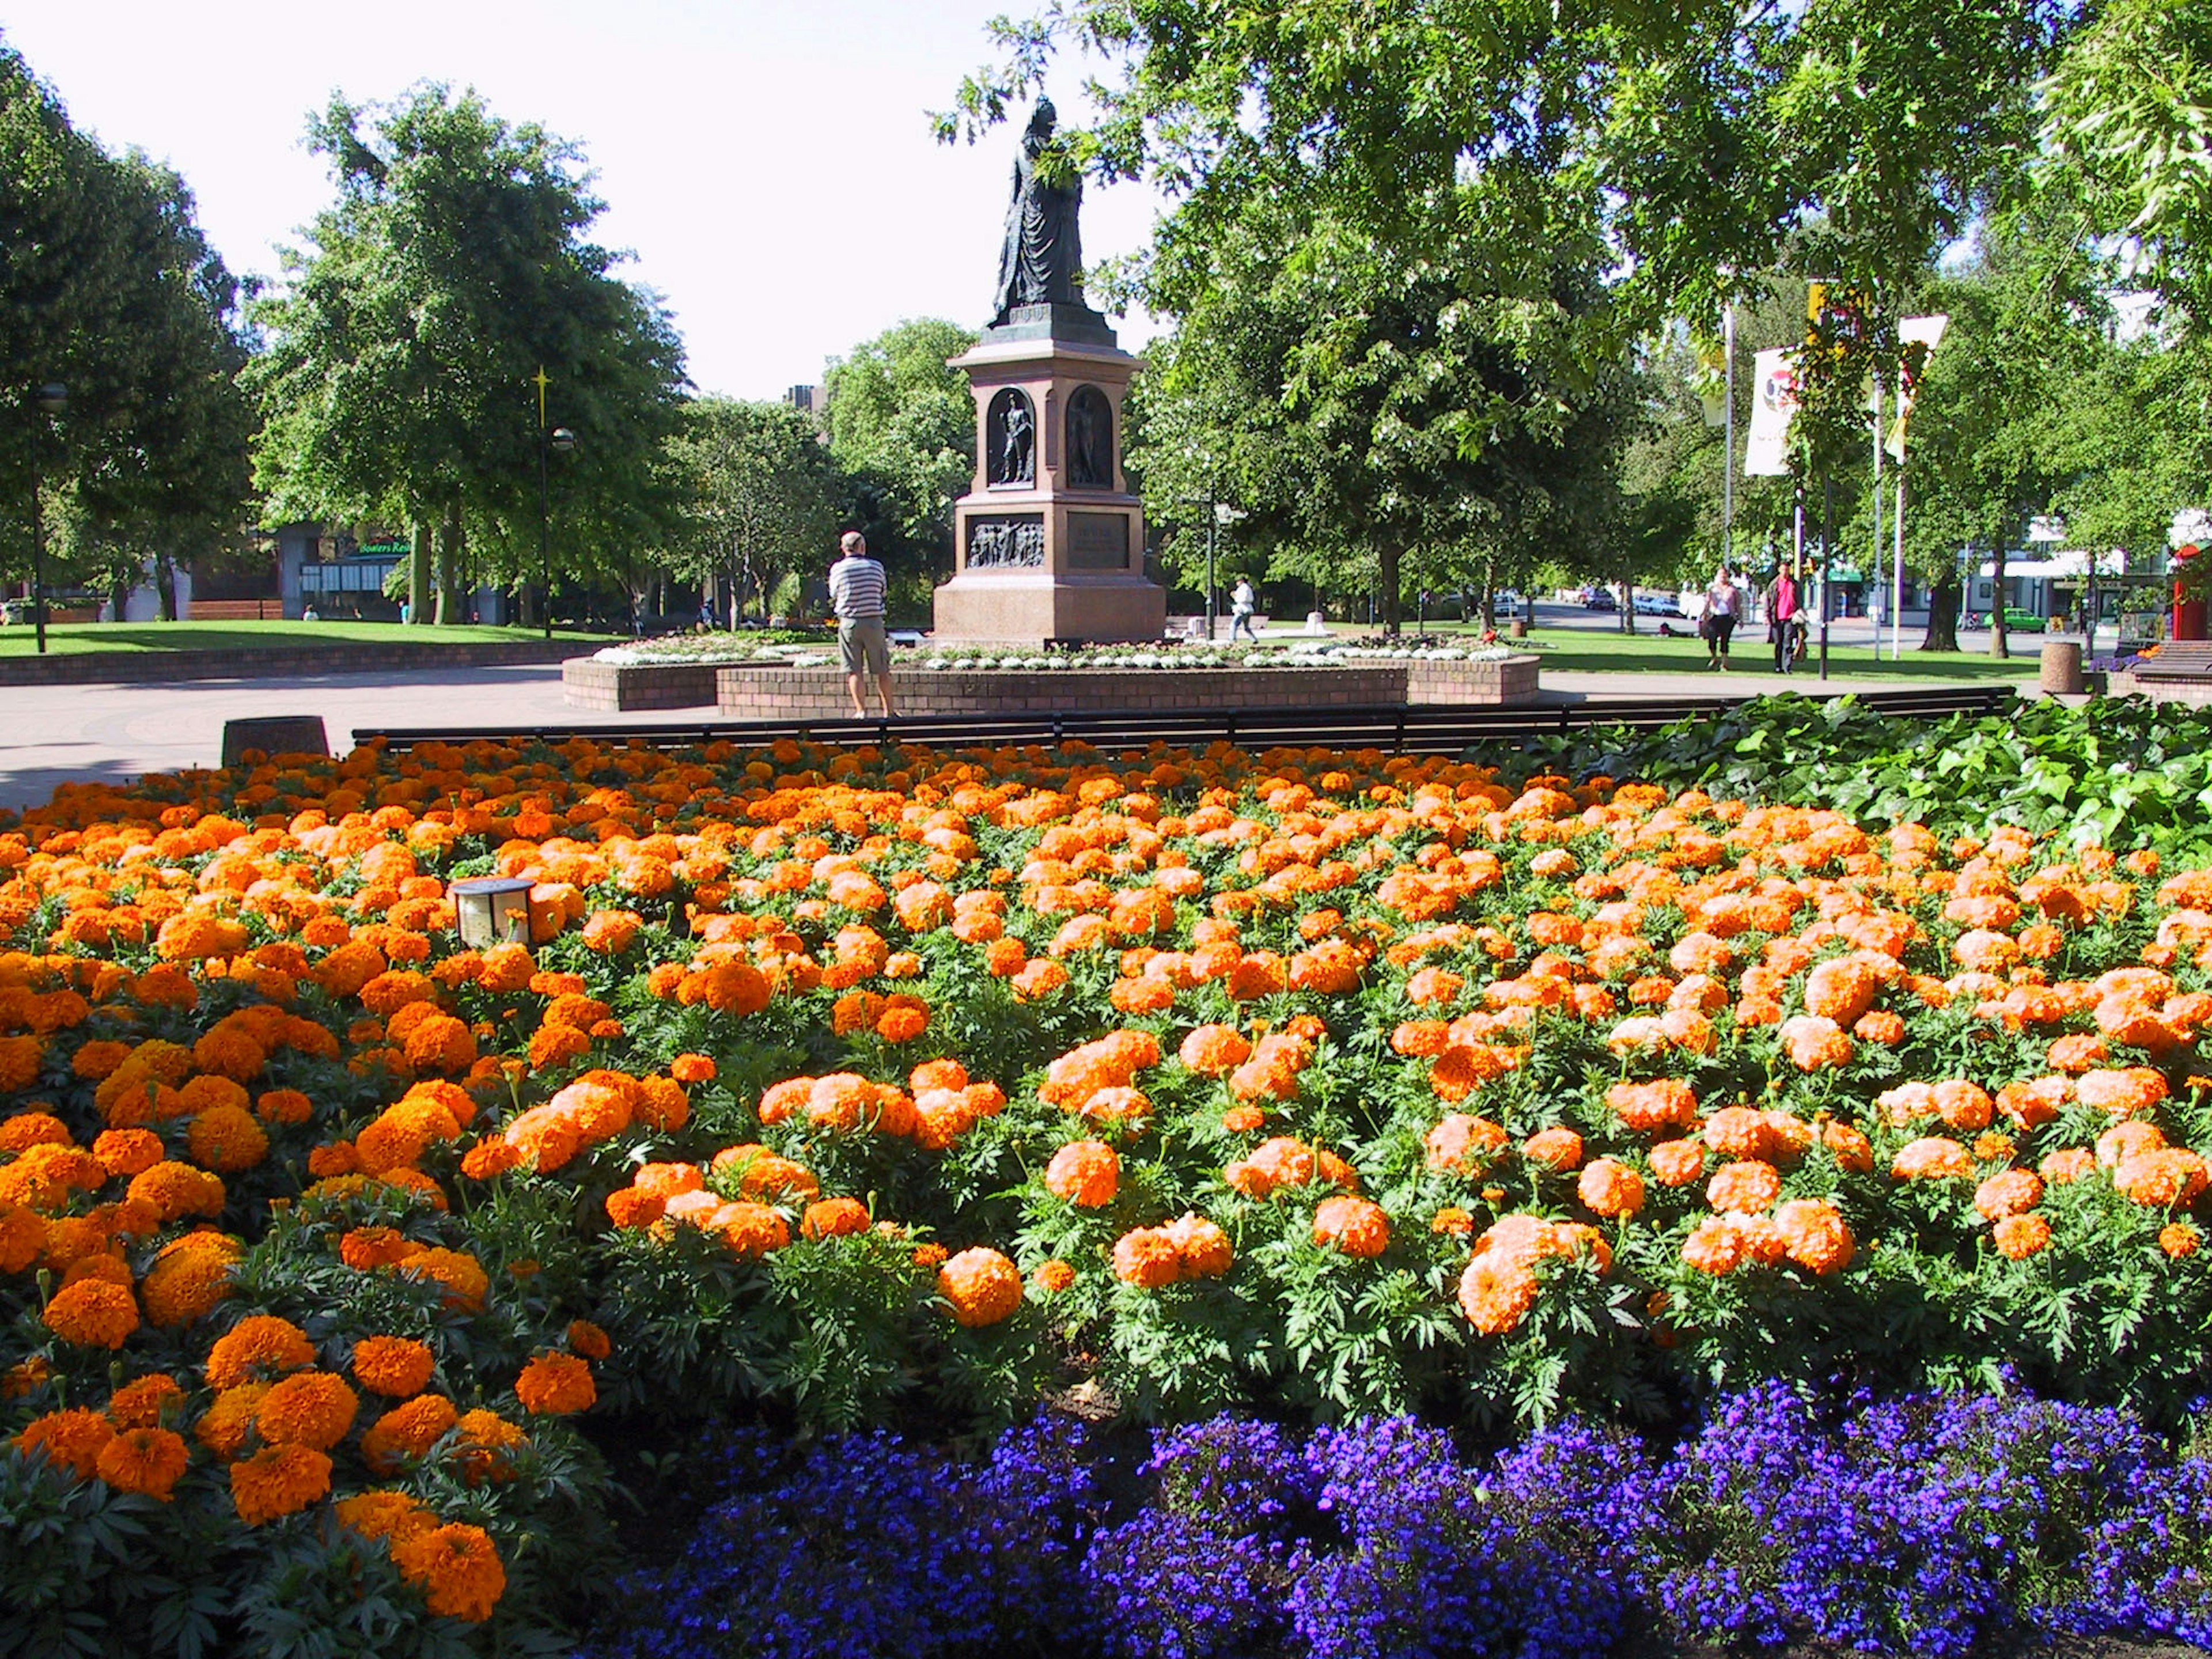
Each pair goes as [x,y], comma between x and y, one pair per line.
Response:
[754,693]
[587,682]
[1510,680]
[143,667]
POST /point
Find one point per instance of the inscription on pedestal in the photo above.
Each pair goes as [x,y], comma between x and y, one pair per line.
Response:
[1006,541]
[1097,541]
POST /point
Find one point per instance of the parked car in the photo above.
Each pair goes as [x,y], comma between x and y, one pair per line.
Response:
[2016,621]
[1599,598]
[1506,602]
[1657,605]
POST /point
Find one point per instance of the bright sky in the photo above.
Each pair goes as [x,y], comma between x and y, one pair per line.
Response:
[768,162]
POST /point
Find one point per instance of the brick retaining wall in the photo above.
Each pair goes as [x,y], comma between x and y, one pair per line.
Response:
[141,667]
[587,682]
[745,692]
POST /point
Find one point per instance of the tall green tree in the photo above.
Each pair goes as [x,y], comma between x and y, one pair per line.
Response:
[399,382]
[762,496]
[163,475]
[1388,424]
[902,428]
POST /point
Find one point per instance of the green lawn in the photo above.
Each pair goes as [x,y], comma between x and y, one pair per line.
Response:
[1592,651]
[79,639]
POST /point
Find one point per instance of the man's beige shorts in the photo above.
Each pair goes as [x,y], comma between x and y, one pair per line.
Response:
[862,645]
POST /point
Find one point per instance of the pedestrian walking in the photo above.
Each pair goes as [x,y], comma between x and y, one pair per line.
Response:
[1723,600]
[1241,604]
[1782,617]
[856,593]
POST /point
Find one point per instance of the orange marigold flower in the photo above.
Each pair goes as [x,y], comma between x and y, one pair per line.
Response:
[457,1567]
[393,1515]
[555,1385]
[1647,1107]
[589,1340]
[189,1278]
[258,1345]
[226,1138]
[1356,1226]
[1816,1235]
[2019,1237]
[1463,1144]
[307,1408]
[278,1481]
[1715,1246]
[982,1285]
[1748,1185]
[1214,1050]
[692,1068]
[1205,1250]
[2160,1178]
[93,1313]
[2180,1239]
[1497,1290]
[463,1276]
[2068,1164]
[140,1404]
[1558,1148]
[127,1152]
[1933,1158]
[1053,1276]
[1086,1173]
[396,1366]
[72,1439]
[1609,1187]
[407,1430]
[148,1461]
[1147,1257]
[2009,1192]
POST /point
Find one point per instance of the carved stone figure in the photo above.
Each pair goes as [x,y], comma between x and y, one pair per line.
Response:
[1009,544]
[1089,440]
[1011,439]
[1041,262]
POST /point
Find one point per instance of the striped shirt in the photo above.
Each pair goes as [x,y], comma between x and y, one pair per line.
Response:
[856,588]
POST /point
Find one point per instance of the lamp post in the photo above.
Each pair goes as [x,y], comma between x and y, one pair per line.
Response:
[52,399]
[560,439]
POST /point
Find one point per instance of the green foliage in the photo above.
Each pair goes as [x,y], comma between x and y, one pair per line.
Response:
[902,427]
[761,495]
[398,378]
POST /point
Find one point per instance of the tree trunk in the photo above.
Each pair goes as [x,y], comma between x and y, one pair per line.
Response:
[1998,644]
[165,583]
[119,589]
[1943,617]
[418,572]
[452,552]
[1393,609]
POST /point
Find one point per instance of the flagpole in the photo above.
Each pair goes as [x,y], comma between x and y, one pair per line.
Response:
[1897,611]
[1873,563]
[1727,461]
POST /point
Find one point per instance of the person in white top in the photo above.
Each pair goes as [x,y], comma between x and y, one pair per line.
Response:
[1723,603]
[856,592]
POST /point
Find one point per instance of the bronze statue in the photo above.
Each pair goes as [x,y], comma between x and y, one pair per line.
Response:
[1041,262]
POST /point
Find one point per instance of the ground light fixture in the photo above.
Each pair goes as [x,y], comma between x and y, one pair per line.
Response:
[491,910]
[559,441]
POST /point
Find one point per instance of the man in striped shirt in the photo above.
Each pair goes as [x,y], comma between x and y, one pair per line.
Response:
[856,592]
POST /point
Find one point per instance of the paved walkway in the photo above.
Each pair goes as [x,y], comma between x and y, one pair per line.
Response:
[54,735]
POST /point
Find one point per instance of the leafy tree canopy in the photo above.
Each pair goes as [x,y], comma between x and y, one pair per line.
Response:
[902,426]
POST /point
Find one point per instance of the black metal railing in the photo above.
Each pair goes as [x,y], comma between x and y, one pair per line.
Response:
[1421,729]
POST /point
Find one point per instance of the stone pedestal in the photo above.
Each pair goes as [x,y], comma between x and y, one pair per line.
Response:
[1049,543]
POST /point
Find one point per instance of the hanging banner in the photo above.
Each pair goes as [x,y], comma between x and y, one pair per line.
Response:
[1774,401]
[1913,330]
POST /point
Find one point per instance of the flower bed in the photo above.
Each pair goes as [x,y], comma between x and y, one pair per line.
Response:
[783,681]
[1929,1525]
[896,1085]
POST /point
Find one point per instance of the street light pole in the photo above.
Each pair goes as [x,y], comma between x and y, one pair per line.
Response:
[51,399]
[1212,529]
